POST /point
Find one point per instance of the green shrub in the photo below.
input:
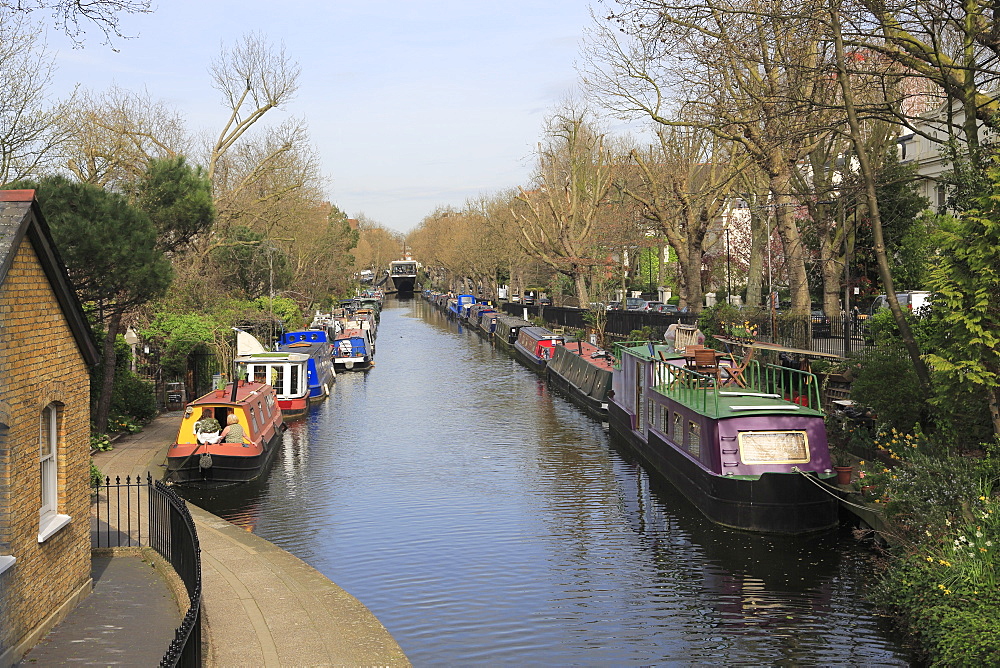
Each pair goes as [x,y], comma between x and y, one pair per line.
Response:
[133,398]
[96,477]
[100,442]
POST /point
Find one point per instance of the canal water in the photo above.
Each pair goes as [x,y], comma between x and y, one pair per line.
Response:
[486,521]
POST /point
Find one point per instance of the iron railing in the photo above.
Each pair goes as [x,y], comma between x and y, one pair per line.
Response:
[144,513]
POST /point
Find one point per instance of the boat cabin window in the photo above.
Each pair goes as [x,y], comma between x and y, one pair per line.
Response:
[651,412]
[678,433]
[278,378]
[253,418]
[259,373]
[270,401]
[665,420]
[263,415]
[694,439]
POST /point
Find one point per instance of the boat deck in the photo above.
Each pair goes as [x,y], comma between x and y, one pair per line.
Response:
[770,390]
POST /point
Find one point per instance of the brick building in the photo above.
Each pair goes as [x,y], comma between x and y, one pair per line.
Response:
[45,352]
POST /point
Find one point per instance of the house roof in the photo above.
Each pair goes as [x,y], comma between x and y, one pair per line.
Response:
[21,217]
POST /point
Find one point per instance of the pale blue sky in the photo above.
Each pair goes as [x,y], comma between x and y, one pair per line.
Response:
[411,105]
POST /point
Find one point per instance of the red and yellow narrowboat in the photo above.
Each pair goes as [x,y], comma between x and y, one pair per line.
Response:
[204,458]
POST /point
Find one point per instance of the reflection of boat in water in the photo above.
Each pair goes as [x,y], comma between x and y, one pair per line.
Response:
[287,373]
[316,344]
[403,274]
[744,455]
[195,458]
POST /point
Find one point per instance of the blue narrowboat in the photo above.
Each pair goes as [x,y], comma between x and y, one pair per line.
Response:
[316,344]
[458,303]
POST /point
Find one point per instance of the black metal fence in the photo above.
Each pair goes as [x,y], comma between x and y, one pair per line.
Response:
[137,513]
[841,335]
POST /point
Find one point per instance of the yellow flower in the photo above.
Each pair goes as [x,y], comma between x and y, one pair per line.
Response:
[930,559]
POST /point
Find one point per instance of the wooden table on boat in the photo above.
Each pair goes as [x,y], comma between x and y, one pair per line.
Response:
[774,347]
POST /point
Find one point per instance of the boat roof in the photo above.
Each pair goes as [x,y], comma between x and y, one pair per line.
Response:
[273,357]
[541,334]
[245,392]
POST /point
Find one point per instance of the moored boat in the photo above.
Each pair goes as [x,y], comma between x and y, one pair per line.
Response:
[196,459]
[534,346]
[287,373]
[316,344]
[583,372]
[746,446]
[403,274]
[506,329]
[354,350]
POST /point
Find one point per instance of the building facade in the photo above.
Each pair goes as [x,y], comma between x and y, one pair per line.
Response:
[45,354]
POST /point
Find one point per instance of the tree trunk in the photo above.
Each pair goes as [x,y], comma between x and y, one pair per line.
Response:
[906,334]
[791,241]
[108,375]
[758,257]
[581,290]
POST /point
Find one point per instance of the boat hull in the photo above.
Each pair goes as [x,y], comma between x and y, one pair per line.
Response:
[777,503]
[293,408]
[226,469]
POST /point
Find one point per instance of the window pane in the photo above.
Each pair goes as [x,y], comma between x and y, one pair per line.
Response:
[48,432]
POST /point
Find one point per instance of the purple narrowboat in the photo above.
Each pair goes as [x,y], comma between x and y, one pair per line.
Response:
[751,455]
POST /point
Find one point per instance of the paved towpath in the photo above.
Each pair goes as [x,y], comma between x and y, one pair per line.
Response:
[262,606]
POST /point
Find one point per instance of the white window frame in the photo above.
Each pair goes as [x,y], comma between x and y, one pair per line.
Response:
[49,519]
[6,560]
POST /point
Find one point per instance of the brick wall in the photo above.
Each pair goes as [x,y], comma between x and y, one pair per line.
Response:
[39,364]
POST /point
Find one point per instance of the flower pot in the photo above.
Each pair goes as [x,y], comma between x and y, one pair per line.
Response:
[220,393]
[844,474]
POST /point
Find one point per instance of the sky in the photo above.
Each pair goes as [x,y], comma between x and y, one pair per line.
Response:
[410,105]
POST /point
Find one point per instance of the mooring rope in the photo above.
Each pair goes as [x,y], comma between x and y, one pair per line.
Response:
[827,488]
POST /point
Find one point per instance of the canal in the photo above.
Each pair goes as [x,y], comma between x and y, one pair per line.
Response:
[486,521]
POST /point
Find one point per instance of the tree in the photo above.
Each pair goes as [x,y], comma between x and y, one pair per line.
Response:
[111,255]
[71,15]
[253,78]
[965,280]
[29,133]
[178,200]
[112,136]
[687,180]
[747,74]
[558,215]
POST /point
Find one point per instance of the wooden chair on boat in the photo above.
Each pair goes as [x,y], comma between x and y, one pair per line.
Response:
[734,373]
[706,363]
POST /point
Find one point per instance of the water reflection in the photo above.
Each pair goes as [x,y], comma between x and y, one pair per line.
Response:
[485,521]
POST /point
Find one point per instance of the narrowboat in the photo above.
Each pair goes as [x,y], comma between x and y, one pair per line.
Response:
[507,328]
[583,372]
[488,323]
[534,347]
[316,344]
[750,454]
[354,350]
[458,303]
[255,405]
[287,373]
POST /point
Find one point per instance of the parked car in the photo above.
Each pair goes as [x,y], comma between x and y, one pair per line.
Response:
[820,324]
[515,298]
[634,304]
[908,301]
[614,306]
[528,300]
[667,308]
[651,306]
[545,301]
